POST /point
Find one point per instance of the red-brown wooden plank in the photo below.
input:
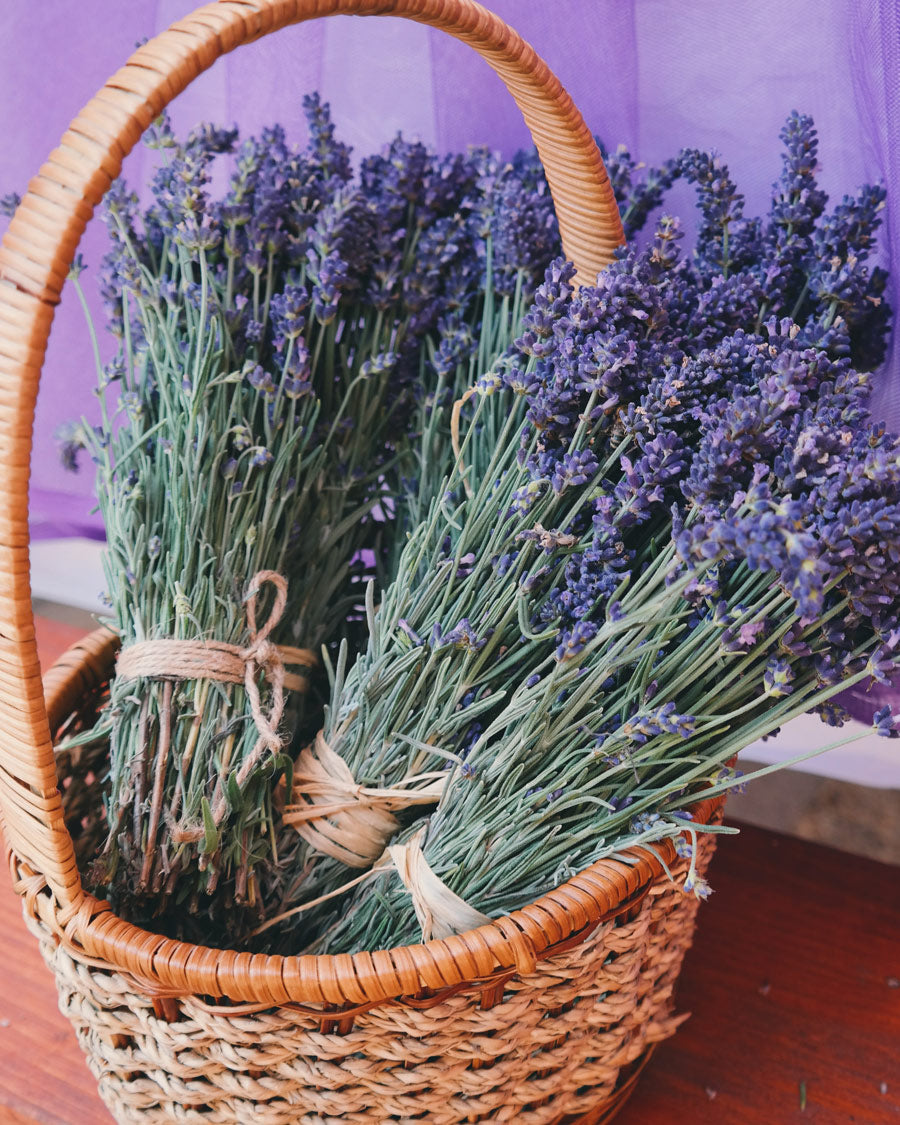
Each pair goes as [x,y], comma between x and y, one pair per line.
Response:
[794,978]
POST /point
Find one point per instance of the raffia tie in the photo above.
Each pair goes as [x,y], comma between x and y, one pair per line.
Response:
[440,911]
[170,659]
[344,820]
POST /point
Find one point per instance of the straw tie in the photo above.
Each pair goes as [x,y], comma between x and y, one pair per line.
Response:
[167,658]
[440,911]
[342,819]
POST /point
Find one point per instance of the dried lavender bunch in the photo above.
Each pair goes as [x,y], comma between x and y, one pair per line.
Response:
[797,261]
[512,236]
[511,230]
[301,251]
[691,544]
[671,606]
[261,355]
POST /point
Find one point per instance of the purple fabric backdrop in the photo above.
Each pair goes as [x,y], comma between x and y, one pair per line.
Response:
[722,76]
[649,74]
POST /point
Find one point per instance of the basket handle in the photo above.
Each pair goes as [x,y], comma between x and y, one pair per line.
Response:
[40,244]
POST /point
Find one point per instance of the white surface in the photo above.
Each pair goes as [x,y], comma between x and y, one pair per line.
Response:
[70,571]
[872,760]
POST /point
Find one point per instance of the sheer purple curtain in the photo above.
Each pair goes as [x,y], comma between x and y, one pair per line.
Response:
[652,75]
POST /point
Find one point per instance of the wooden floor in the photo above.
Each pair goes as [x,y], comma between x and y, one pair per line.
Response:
[794,986]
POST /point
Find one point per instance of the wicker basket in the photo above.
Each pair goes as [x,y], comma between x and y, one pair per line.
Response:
[544,1016]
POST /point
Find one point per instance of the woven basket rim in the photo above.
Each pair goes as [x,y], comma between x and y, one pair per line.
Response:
[479,958]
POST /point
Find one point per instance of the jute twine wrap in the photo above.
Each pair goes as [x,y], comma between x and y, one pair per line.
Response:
[440,911]
[342,819]
[170,659]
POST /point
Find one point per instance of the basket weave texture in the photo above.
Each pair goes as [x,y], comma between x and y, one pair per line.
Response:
[543,1016]
[562,1044]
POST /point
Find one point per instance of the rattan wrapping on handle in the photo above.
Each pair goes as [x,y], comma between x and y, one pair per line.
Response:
[41,242]
[34,259]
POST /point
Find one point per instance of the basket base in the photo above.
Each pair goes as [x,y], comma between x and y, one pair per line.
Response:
[562,1046]
[202,1070]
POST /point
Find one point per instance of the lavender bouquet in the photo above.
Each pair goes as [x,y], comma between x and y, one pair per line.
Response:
[268,341]
[692,538]
[513,236]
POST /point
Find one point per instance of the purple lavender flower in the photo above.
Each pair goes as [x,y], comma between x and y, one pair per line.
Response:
[777,678]
[9,203]
[885,723]
[330,275]
[550,301]
[377,365]
[721,207]
[833,714]
[261,381]
[297,388]
[241,437]
[881,664]
[662,720]
[574,469]
[695,884]
[517,212]
[287,310]
[196,235]
[684,849]
[644,822]
[132,405]
[573,640]
[462,636]
[71,440]
[260,456]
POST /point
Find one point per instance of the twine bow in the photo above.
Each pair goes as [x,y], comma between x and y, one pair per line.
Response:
[263,656]
[342,819]
[170,659]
